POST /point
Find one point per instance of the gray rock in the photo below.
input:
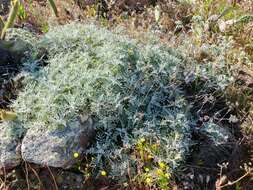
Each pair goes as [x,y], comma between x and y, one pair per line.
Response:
[56,147]
[10,134]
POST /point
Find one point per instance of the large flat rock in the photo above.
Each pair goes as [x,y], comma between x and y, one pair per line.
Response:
[56,148]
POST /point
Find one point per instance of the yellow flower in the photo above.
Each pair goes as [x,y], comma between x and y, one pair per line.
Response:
[146,169]
[162,165]
[167,175]
[103,173]
[76,155]
[150,157]
[148,180]
[159,172]
[142,140]
[155,146]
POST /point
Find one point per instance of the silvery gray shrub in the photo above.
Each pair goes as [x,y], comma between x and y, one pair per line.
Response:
[131,90]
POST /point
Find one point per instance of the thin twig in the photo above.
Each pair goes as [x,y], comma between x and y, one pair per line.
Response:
[5,175]
[26,176]
[55,184]
[236,181]
[2,184]
[36,174]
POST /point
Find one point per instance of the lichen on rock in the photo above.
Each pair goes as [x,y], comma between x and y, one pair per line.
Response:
[10,142]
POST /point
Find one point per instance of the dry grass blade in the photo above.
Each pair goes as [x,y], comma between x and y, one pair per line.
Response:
[7,115]
[37,176]
[1,24]
[51,173]
[52,4]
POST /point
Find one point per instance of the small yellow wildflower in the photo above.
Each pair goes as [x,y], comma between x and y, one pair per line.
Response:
[103,173]
[168,175]
[162,165]
[146,169]
[150,157]
[76,155]
[159,172]
[148,180]
[155,146]
[142,140]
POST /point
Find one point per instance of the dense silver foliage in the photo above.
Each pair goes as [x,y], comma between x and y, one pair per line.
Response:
[131,90]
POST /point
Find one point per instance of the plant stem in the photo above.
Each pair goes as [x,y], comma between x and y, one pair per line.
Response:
[11,19]
[1,24]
